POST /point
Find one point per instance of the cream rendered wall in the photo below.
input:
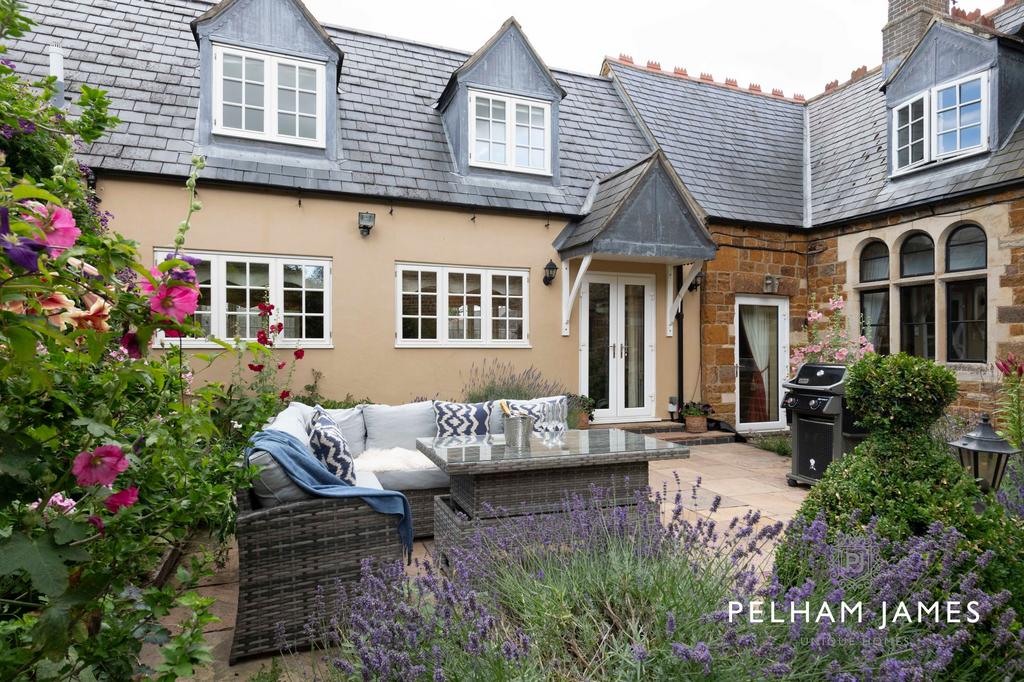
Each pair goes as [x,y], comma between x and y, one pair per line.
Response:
[994,219]
[364,360]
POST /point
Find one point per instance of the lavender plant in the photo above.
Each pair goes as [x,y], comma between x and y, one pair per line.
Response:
[495,380]
[657,592]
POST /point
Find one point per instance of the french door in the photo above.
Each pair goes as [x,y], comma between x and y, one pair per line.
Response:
[617,346]
[762,361]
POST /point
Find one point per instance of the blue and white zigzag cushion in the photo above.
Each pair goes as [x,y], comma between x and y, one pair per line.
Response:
[461,419]
[536,409]
[330,447]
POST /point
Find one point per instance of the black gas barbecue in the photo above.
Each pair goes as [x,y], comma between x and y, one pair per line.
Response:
[821,427]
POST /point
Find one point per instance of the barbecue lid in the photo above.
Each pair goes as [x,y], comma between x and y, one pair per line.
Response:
[817,376]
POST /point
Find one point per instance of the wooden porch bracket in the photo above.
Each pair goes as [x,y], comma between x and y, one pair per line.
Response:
[570,293]
[674,299]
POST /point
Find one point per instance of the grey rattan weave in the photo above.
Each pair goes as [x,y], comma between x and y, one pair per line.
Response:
[542,490]
[422,504]
[286,552]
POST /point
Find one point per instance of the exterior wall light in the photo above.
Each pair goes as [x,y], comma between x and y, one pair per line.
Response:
[984,454]
[366,221]
[698,280]
[550,270]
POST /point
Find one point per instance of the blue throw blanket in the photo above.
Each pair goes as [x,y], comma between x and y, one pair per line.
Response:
[310,475]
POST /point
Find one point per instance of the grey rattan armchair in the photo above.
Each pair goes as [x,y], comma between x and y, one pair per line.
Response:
[285,552]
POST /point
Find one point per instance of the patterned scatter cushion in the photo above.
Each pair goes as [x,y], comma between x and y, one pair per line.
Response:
[542,416]
[461,419]
[329,446]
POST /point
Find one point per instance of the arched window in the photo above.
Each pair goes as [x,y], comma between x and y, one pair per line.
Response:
[966,249]
[874,262]
[917,257]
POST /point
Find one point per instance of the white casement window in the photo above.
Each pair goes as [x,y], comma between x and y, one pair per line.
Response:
[268,97]
[457,306]
[946,122]
[509,133]
[910,134]
[231,287]
[960,120]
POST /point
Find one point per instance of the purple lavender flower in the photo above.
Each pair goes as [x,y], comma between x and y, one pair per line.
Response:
[8,63]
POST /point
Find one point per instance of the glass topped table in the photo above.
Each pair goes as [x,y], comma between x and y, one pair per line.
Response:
[490,479]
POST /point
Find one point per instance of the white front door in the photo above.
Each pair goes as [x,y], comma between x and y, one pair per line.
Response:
[617,346]
[762,361]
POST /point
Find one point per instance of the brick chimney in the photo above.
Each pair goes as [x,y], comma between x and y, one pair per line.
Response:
[908,20]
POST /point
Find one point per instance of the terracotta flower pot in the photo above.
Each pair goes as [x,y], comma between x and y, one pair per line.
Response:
[583,421]
[696,424]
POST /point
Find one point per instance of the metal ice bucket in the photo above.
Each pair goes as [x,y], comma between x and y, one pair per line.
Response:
[517,431]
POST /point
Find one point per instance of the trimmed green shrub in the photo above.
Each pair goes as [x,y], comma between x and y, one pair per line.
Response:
[902,480]
[899,392]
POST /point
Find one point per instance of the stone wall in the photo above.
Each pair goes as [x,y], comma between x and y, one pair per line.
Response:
[819,262]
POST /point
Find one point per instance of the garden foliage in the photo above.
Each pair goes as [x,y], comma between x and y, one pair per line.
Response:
[901,481]
[828,341]
[109,453]
[602,594]
[497,380]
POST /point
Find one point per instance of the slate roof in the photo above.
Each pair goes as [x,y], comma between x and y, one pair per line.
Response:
[393,143]
[607,196]
[739,153]
[1010,19]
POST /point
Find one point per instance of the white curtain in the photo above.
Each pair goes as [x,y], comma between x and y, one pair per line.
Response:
[873,312]
[758,324]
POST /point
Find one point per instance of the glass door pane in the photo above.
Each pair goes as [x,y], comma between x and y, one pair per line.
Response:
[599,343]
[633,345]
[758,353]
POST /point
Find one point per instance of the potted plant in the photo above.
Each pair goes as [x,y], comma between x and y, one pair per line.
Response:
[696,416]
[581,410]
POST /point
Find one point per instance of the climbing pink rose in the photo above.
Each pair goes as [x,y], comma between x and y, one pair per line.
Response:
[100,466]
[123,498]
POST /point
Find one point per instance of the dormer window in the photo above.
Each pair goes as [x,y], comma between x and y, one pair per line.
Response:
[946,122]
[509,133]
[268,97]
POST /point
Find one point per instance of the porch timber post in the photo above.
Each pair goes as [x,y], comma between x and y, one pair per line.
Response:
[677,300]
[569,294]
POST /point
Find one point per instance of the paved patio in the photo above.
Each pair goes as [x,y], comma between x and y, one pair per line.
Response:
[745,476]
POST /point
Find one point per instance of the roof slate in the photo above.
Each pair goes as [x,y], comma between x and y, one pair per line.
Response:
[740,154]
[608,196]
[1011,19]
[392,140]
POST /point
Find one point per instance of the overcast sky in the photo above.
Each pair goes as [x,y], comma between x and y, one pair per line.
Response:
[796,45]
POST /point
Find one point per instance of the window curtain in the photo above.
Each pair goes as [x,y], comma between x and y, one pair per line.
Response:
[873,311]
[758,324]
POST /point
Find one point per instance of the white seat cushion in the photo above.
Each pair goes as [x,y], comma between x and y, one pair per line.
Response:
[398,426]
[393,459]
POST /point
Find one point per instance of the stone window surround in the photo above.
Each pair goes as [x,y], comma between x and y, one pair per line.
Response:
[992,219]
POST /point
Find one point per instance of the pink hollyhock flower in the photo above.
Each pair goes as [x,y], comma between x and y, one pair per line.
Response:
[57,501]
[255,367]
[814,316]
[130,344]
[100,466]
[837,303]
[299,353]
[121,499]
[281,365]
[176,302]
[869,348]
[57,224]
[97,522]
[841,355]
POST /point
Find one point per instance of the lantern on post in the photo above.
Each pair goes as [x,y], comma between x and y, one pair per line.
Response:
[984,454]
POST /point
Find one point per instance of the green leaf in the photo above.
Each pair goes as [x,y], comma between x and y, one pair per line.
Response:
[50,633]
[25,191]
[41,559]
[23,342]
[16,465]
[65,530]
